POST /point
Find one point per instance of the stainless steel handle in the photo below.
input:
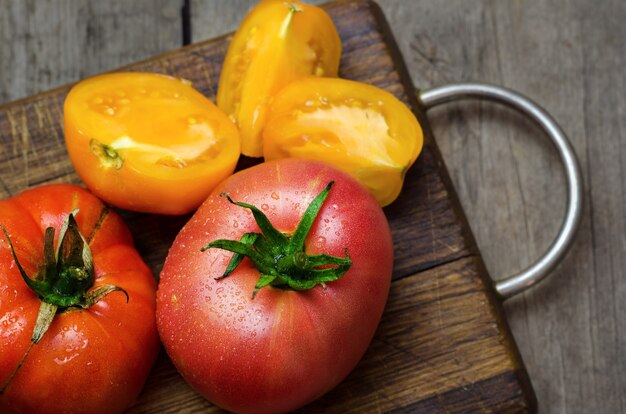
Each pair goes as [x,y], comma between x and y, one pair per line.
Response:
[528,277]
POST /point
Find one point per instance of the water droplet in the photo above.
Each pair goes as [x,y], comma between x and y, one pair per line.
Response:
[275,196]
[264,207]
[65,360]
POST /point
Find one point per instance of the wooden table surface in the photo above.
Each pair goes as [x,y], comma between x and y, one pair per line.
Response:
[568,55]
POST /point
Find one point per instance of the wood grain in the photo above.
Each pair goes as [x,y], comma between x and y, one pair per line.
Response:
[421,360]
[442,333]
[566,54]
[49,43]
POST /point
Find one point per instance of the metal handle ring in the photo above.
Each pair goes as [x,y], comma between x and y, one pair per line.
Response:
[521,281]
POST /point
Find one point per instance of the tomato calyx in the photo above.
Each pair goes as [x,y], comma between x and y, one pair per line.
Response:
[279,258]
[66,278]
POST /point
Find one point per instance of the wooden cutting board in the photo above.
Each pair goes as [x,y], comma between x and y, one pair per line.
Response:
[443,344]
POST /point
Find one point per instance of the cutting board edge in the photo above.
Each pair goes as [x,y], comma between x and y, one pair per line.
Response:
[495,301]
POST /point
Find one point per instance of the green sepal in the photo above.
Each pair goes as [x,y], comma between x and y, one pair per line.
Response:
[74,262]
[263,281]
[248,239]
[263,263]
[277,240]
[281,260]
[96,294]
[66,277]
[36,285]
[50,256]
[296,243]
[46,314]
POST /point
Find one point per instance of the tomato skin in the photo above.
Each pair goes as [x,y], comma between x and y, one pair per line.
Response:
[356,127]
[93,360]
[282,349]
[273,46]
[172,144]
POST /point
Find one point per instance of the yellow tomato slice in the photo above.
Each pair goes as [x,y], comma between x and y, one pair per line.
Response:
[148,142]
[277,42]
[356,127]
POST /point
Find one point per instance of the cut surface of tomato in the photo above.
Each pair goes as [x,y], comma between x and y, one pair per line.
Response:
[278,42]
[148,142]
[356,127]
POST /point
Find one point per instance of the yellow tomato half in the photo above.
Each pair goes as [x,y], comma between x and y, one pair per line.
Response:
[356,127]
[148,142]
[277,42]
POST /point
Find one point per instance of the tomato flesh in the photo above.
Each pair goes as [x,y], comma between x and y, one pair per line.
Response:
[356,127]
[356,134]
[148,142]
[277,42]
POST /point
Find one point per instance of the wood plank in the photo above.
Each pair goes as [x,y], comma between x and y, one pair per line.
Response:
[421,359]
[440,359]
[569,57]
[603,54]
[567,327]
[48,44]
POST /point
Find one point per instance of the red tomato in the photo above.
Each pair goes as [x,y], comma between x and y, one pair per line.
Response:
[285,347]
[93,358]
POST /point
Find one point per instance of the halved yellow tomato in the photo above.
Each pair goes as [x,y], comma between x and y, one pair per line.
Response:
[356,127]
[277,42]
[148,142]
